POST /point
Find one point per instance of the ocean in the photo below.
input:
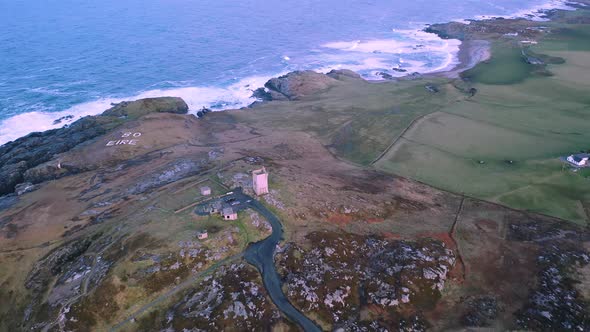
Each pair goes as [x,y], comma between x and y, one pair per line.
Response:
[76,57]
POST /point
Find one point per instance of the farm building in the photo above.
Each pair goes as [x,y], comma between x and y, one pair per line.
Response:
[205,191]
[202,235]
[229,214]
[579,159]
[216,207]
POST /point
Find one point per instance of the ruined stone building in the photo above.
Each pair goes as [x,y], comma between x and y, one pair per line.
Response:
[202,235]
[205,191]
[229,214]
[260,181]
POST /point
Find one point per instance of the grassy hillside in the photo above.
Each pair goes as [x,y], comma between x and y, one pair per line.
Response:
[356,120]
[503,144]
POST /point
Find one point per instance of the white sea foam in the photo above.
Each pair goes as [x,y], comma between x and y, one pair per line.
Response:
[413,41]
[357,55]
[408,48]
[51,92]
[535,13]
[411,50]
[234,96]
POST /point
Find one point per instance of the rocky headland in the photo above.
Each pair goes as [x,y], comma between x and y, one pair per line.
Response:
[21,160]
[298,84]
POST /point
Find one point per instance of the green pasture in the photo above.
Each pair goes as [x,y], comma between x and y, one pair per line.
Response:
[503,144]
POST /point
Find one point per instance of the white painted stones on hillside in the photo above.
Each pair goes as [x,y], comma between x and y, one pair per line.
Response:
[127,138]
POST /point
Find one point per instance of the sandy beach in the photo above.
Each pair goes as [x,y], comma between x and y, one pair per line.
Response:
[471,52]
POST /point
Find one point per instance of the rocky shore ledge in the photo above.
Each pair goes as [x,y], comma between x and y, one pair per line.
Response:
[298,84]
[34,158]
[22,161]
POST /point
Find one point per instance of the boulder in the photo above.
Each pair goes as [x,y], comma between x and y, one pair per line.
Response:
[10,176]
[385,76]
[263,94]
[431,88]
[344,74]
[24,188]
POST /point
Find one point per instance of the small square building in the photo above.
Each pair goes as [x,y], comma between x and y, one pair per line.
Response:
[205,191]
[202,235]
[260,181]
[229,214]
[215,207]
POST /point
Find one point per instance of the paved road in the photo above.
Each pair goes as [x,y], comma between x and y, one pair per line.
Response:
[261,255]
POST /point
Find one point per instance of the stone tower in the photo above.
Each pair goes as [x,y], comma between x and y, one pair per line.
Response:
[260,181]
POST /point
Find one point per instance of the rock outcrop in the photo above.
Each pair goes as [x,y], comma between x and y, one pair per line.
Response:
[395,277]
[344,75]
[294,85]
[299,84]
[20,156]
[27,152]
[137,108]
[492,28]
[172,172]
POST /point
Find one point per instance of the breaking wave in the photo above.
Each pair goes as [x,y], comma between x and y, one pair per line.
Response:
[408,51]
[400,53]
[537,13]
[234,96]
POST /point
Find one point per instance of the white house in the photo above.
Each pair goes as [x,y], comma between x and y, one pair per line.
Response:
[578,160]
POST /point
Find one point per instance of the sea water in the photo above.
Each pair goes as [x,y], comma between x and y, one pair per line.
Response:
[72,57]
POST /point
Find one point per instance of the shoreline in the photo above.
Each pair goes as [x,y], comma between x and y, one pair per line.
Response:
[470,53]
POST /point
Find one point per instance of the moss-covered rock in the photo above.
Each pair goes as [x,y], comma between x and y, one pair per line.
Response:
[141,107]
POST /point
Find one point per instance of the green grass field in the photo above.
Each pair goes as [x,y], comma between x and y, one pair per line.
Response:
[357,120]
[503,144]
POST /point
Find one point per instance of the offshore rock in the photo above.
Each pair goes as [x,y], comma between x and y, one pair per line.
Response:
[385,76]
[344,74]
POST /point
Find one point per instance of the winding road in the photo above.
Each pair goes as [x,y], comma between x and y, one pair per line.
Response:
[261,255]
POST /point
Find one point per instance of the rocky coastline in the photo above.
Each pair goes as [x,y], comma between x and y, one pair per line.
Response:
[23,161]
[363,249]
[19,159]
